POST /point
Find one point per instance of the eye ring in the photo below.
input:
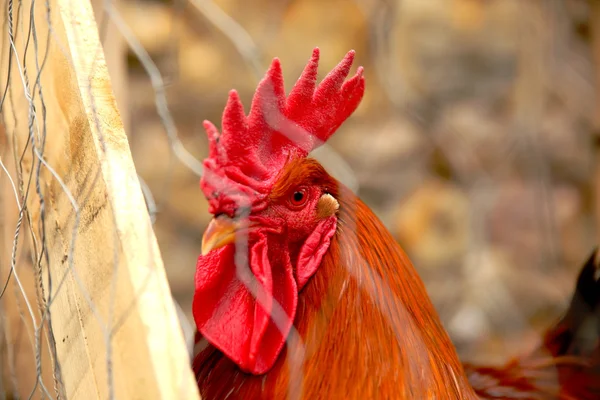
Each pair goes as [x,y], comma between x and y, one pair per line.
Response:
[298,197]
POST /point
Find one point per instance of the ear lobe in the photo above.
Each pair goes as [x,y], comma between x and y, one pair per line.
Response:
[313,250]
[327,206]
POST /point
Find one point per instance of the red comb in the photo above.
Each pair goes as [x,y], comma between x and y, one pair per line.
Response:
[246,157]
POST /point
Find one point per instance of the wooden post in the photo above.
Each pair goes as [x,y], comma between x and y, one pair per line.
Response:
[115,53]
[113,318]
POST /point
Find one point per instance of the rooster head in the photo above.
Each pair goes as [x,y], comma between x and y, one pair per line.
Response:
[274,209]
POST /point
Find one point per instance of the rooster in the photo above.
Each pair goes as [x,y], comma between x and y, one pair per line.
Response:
[301,292]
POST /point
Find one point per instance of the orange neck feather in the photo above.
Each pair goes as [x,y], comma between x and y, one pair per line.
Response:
[366,326]
[367,318]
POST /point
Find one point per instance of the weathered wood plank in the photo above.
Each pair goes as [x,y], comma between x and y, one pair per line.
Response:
[113,318]
[115,53]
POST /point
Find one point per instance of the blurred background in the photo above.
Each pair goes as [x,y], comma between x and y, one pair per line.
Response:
[474,142]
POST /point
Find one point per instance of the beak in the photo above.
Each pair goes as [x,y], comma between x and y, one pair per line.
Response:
[220,232]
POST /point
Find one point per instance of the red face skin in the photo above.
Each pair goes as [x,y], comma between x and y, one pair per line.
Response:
[297,212]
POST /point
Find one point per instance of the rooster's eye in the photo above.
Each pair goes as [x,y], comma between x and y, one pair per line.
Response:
[298,197]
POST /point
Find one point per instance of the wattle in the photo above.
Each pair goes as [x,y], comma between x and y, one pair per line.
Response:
[247,313]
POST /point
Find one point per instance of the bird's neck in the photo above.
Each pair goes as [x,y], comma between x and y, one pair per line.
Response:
[366,316]
[364,328]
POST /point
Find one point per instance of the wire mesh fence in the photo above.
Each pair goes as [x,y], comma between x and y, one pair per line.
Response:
[473,144]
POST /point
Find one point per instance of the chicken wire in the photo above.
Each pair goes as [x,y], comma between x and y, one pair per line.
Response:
[473,145]
[34,279]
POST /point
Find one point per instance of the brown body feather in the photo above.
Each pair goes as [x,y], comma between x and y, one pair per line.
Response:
[567,364]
